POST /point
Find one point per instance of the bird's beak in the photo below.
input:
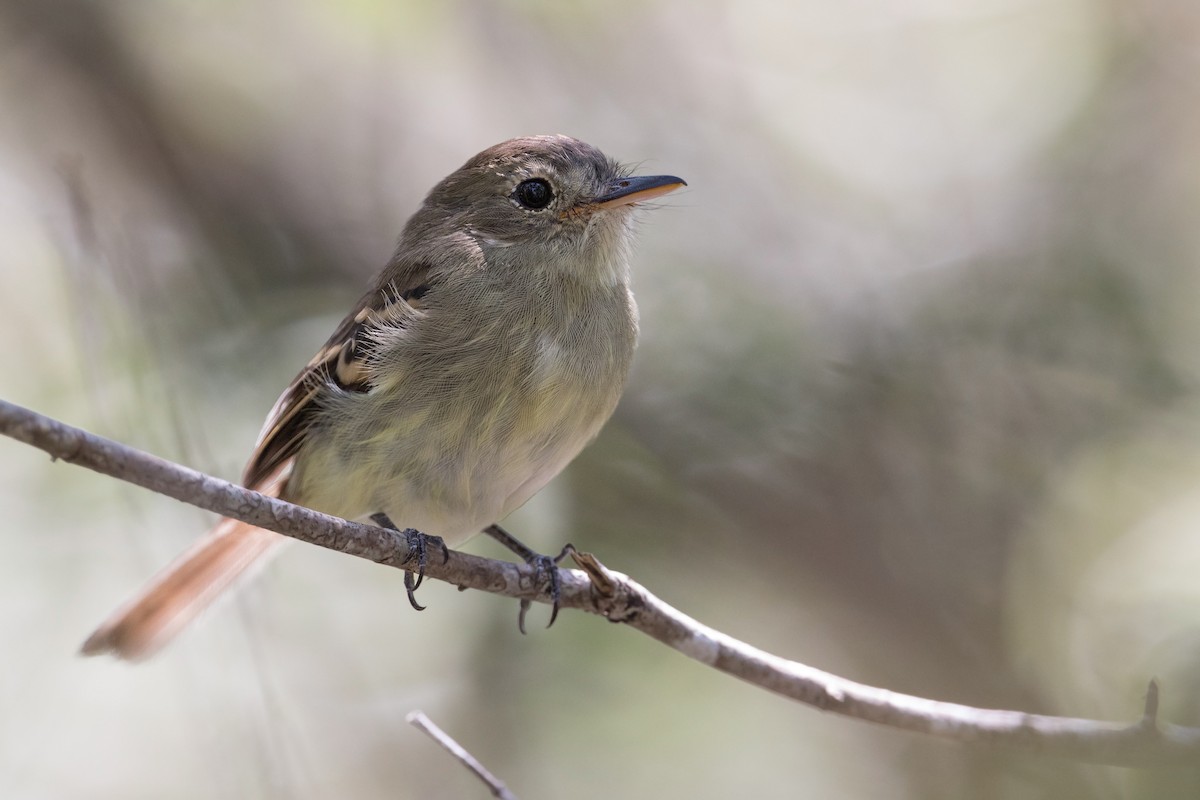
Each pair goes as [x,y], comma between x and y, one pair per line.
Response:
[636,190]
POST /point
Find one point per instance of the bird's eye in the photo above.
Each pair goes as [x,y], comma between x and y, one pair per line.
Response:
[535,193]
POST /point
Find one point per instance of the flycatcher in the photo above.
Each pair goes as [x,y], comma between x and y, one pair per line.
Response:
[492,347]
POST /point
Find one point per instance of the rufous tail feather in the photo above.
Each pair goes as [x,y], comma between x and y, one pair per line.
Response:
[183,589]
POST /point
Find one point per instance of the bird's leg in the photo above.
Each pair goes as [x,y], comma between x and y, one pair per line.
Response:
[546,570]
[418,548]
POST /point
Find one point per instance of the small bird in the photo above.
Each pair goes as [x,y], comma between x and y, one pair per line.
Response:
[492,347]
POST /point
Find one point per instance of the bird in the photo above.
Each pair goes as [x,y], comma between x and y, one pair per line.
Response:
[491,348]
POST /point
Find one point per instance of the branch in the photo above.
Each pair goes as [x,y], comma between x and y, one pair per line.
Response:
[618,598]
[427,726]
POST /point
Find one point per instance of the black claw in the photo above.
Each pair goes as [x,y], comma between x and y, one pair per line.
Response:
[525,604]
[556,581]
[418,545]
[418,551]
[410,586]
[545,571]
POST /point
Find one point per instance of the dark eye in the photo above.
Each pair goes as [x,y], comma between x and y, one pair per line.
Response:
[534,193]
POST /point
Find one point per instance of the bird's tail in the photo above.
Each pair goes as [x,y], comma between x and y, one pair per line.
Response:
[177,594]
[183,589]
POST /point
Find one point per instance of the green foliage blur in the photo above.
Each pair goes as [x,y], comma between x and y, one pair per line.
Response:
[916,400]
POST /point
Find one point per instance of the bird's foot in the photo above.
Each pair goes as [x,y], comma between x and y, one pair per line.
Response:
[419,545]
[545,571]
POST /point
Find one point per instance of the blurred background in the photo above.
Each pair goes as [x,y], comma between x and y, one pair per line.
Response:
[916,400]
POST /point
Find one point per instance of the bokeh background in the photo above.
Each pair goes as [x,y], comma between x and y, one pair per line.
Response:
[916,400]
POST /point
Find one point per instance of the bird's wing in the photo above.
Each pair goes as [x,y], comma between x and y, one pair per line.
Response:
[343,364]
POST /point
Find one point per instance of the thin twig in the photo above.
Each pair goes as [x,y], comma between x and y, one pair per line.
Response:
[620,599]
[497,787]
[1150,713]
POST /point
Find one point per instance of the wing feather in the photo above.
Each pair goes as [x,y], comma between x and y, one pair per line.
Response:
[344,364]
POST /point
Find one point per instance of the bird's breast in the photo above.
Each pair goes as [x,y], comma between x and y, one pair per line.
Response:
[475,421]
